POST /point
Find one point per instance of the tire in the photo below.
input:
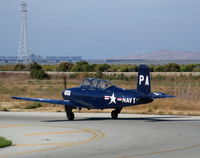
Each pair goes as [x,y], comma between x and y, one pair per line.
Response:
[70,116]
[114,114]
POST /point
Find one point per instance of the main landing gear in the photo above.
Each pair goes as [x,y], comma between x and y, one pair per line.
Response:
[114,113]
[69,113]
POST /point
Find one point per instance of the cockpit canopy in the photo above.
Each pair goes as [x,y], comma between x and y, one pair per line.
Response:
[93,83]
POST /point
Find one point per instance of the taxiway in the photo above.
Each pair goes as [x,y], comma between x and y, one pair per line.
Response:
[50,135]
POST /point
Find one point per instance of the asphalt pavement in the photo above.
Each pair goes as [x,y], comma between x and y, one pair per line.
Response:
[96,135]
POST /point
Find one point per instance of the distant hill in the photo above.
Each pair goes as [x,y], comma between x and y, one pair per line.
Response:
[165,55]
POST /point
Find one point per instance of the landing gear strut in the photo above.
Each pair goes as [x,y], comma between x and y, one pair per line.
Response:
[114,113]
[69,113]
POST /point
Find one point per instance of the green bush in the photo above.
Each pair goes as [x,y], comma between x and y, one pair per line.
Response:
[4,142]
[38,74]
[49,67]
[122,68]
[81,66]
[158,68]
[113,68]
[93,67]
[172,67]
[19,67]
[84,66]
[64,66]
[102,67]
[35,66]
[36,71]
[196,68]
[125,68]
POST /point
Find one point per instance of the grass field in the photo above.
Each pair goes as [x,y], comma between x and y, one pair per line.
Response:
[4,142]
[186,88]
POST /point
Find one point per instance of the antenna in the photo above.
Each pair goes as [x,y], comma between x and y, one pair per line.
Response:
[24,52]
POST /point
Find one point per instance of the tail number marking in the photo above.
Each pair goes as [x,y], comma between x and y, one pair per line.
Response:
[144,79]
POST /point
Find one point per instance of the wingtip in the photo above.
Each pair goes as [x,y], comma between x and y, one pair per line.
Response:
[13,97]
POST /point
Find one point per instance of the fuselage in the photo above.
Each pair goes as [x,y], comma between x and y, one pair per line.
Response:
[111,97]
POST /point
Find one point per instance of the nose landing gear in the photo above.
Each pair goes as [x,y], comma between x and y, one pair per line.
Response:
[69,113]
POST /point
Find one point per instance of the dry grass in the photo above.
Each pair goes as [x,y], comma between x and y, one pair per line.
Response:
[186,88]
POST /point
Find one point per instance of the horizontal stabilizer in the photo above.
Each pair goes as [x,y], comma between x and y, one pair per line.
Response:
[51,101]
[160,95]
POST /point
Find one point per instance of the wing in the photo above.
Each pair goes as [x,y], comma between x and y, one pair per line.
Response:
[51,101]
[161,95]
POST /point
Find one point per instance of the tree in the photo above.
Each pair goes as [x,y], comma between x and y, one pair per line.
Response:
[188,68]
[81,66]
[19,67]
[35,66]
[36,71]
[102,67]
[197,69]
[93,67]
[126,68]
[159,68]
[113,68]
[49,67]
[38,74]
[172,67]
[64,66]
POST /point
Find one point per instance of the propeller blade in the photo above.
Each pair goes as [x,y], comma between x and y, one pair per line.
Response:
[65,81]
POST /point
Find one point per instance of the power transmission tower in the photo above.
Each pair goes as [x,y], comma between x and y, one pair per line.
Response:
[24,52]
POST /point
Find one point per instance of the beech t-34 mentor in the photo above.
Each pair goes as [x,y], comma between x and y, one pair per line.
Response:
[102,94]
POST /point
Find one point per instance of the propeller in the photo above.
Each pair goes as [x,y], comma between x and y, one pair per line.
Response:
[65,81]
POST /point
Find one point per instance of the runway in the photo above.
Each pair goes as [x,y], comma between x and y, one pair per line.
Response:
[50,135]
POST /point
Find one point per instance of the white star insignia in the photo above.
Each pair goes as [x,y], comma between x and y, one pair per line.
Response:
[112,99]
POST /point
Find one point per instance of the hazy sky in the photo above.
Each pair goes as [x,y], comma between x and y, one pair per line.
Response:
[102,28]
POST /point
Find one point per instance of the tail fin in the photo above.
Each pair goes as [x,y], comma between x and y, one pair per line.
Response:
[144,82]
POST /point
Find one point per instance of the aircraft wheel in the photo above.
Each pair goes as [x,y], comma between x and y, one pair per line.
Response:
[114,114]
[70,115]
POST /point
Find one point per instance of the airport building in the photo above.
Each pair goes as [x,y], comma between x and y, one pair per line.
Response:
[8,59]
[58,59]
[39,59]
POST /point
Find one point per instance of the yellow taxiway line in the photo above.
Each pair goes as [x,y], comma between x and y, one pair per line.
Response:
[12,125]
[47,133]
[95,136]
[159,152]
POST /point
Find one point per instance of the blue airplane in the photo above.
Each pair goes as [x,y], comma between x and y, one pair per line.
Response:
[102,94]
